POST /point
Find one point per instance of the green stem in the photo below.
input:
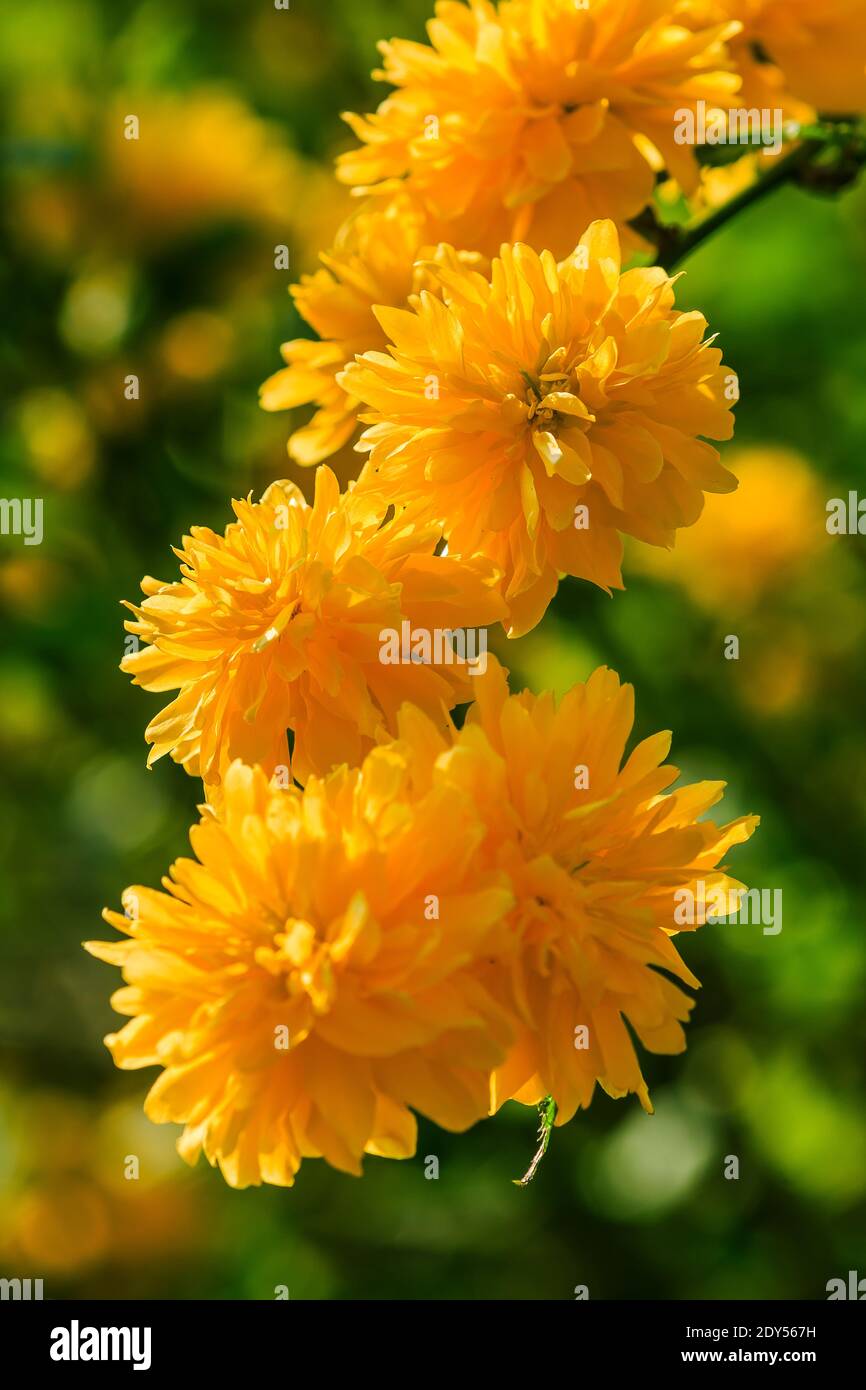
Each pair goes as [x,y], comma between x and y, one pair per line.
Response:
[547,1117]
[674,247]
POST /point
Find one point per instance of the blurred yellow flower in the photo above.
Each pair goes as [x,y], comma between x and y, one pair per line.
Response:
[524,120]
[378,259]
[194,157]
[57,436]
[752,544]
[29,584]
[784,672]
[67,1203]
[296,986]
[276,626]
[197,345]
[820,48]
[538,414]
[595,850]
[63,1225]
[726,181]
[371,263]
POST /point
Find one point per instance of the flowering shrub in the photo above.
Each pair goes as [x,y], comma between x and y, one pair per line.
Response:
[390,909]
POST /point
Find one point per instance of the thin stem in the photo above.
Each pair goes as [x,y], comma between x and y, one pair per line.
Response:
[547,1117]
[674,248]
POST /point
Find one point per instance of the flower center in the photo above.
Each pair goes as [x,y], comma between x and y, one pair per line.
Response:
[541,416]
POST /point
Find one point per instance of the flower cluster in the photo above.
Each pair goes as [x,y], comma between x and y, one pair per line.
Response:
[426,932]
[274,629]
[526,120]
[537,414]
[392,908]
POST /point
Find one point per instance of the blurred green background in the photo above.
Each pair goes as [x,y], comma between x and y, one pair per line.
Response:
[168,273]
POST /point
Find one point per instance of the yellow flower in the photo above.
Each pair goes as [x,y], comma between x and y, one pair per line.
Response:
[371,263]
[753,544]
[277,624]
[374,262]
[294,983]
[538,414]
[196,157]
[595,849]
[523,121]
[473,915]
[720,184]
[819,48]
